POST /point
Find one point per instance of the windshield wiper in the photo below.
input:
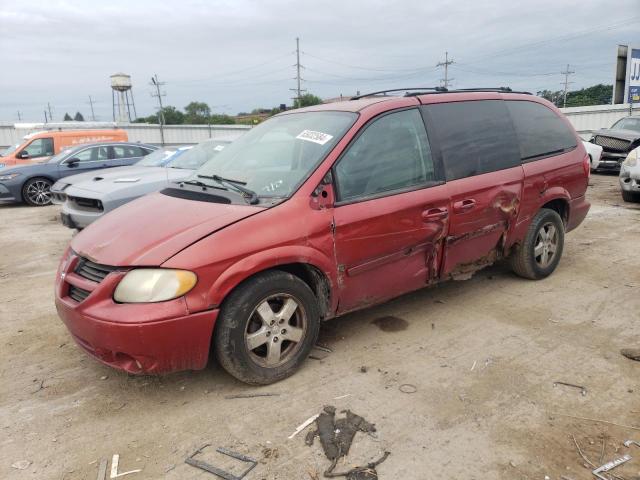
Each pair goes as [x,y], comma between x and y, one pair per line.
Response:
[236,185]
[198,183]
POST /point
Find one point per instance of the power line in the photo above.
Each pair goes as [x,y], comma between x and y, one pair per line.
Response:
[566,74]
[446,81]
[157,83]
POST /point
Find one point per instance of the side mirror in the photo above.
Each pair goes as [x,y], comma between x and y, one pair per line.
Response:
[323,196]
[23,154]
[73,162]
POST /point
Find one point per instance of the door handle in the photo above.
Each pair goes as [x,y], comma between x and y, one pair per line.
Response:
[435,214]
[464,205]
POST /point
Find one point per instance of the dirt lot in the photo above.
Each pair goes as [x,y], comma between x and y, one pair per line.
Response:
[483,356]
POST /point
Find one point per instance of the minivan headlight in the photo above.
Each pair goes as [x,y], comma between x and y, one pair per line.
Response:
[146,285]
[632,158]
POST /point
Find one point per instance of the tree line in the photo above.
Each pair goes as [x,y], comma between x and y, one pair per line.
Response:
[596,95]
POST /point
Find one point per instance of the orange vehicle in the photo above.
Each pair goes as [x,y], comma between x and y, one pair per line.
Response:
[40,146]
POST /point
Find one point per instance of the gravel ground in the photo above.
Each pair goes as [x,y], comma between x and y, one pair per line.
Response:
[482,354]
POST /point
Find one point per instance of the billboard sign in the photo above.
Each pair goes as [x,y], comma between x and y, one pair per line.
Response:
[633,76]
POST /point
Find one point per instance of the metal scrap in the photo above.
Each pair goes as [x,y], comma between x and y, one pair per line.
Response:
[218,471]
[251,395]
[628,443]
[583,390]
[114,468]
[610,466]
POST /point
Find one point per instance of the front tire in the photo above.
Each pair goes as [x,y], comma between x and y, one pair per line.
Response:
[37,192]
[540,252]
[266,328]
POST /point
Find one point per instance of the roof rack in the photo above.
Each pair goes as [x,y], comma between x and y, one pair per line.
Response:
[412,92]
[435,89]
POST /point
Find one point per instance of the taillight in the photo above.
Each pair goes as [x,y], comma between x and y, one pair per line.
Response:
[586,164]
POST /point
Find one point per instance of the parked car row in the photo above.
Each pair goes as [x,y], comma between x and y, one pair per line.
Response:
[314,213]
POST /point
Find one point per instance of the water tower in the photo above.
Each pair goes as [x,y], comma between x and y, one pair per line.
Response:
[122,97]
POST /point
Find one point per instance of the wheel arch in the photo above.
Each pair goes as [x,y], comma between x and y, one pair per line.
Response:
[309,265]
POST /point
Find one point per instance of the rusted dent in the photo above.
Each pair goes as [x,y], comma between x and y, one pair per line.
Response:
[466,270]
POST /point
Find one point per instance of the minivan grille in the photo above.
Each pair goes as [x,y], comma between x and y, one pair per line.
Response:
[612,143]
[78,294]
[93,271]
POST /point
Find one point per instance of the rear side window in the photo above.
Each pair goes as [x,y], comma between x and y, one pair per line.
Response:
[392,153]
[128,151]
[475,137]
[540,131]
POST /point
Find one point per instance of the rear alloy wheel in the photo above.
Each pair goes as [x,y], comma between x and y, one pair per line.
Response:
[266,328]
[539,254]
[37,192]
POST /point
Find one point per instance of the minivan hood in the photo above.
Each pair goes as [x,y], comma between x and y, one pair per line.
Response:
[152,229]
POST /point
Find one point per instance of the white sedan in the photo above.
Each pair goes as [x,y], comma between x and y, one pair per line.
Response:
[595,152]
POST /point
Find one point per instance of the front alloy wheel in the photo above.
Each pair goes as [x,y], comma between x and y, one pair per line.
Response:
[37,192]
[266,327]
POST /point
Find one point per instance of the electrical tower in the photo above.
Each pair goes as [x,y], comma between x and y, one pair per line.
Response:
[446,81]
[157,84]
[93,114]
[299,90]
[566,83]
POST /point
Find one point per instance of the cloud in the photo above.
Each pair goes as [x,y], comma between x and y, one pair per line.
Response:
[238,54]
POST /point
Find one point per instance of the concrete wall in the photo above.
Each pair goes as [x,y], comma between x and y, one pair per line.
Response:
[587,119]
[138,132]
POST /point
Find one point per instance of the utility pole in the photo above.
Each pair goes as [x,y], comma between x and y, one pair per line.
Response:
[45,117]
[50,114]
[93,115]
[155,82]
[298,77]
[446,80]
[19,116]
[566,82]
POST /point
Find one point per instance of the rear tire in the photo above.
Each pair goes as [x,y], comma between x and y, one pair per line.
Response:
[540,252]
[630,196]
[266,328]
[37,192]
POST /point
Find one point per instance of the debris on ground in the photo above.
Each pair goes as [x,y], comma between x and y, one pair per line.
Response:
[631,353]
[336,437]
[363,369]
[115,461]
[251,395]
[408,388]
[304,425]
[582,389]
[319,352]
[218,471]
[610,466]
[628,443]
[21,465]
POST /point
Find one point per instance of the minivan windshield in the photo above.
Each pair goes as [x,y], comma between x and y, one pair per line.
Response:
[274,158]
[628,123]
[199,155]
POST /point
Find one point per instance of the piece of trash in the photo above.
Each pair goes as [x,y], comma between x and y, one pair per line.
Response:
[610,466]
[628,443]
[342,396]
[304,425]
[319,352]
[363,369]
[115,461]
[251,395]
[408,388]
[473,366]
[336,436]
[104,377]
[583,390]
[21,465]
[102,470]
[218,471]
[368,472]
[631,353]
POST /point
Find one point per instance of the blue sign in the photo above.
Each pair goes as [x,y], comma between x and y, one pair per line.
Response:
[634,76]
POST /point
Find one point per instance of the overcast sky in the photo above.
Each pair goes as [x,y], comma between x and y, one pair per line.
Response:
[237,55]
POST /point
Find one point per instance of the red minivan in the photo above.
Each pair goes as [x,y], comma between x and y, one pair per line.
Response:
[318,212]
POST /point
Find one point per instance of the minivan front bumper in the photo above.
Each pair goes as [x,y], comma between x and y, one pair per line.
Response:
[148,338]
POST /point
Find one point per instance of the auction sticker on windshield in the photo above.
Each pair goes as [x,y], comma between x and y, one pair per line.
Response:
[315,137]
